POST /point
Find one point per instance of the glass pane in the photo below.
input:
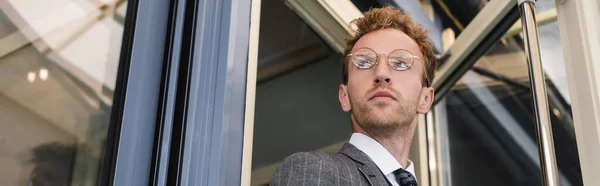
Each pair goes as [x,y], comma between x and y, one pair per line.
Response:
[489,115]
[296,95]
[58,67]
[456,15]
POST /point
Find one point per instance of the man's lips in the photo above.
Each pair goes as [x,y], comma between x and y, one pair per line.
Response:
[382,94]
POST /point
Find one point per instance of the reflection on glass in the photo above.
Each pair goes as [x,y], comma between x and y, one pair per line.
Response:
[488,117]
[456,15]
[58,66]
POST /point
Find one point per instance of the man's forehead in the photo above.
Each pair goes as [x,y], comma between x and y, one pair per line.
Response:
[388,40]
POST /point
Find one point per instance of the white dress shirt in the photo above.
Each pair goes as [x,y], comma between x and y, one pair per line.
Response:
[382,158]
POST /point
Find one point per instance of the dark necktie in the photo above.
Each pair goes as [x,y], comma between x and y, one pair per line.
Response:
[405,178]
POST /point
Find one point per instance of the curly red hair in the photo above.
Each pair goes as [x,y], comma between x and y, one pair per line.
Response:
[390,17]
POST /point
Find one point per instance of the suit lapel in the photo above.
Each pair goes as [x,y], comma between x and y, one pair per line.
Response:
[365,165]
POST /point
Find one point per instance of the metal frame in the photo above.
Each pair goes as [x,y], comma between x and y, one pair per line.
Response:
[330,24]
[168,94]
[579,24]
[443,146]
[419,152]
[435,173]
[129,144]
[538,89]
[483,31]
[251,80]
[208,140]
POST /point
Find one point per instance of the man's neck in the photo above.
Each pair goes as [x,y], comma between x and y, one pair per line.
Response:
[398,144]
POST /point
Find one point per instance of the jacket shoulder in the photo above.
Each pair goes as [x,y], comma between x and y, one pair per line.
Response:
[306,168]
[303,157]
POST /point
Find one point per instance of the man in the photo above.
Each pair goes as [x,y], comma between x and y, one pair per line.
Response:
[388,68]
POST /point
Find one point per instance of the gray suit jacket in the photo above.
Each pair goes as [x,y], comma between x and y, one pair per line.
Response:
[349,166]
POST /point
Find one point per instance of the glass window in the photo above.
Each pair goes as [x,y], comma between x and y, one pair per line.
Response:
[455,15]
[58,67]
[296,96]
[488,116]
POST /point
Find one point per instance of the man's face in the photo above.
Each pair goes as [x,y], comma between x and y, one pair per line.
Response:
[381,98]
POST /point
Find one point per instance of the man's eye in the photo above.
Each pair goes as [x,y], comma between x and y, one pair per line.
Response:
[400,65]
[362,62]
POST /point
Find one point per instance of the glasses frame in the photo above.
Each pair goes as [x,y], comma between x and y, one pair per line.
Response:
[388,57]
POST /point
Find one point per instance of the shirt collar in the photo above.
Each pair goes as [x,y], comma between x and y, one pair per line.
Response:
[380,156]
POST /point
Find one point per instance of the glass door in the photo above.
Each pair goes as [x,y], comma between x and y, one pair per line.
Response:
[58,70]
[485,123]
[79,88]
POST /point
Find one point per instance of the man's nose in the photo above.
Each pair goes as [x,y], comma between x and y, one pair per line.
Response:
[380,80]
[382,72]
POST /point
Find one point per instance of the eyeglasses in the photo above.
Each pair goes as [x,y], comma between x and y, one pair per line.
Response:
[365,58]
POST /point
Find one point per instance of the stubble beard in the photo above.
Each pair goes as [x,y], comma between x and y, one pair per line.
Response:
[377,120]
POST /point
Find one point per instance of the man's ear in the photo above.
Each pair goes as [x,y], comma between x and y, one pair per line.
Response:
[344,99]
[425,100]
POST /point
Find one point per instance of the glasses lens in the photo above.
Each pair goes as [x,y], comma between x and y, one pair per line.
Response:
[363,58]
[400,59]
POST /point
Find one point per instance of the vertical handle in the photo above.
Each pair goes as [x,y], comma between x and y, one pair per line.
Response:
[538,90]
